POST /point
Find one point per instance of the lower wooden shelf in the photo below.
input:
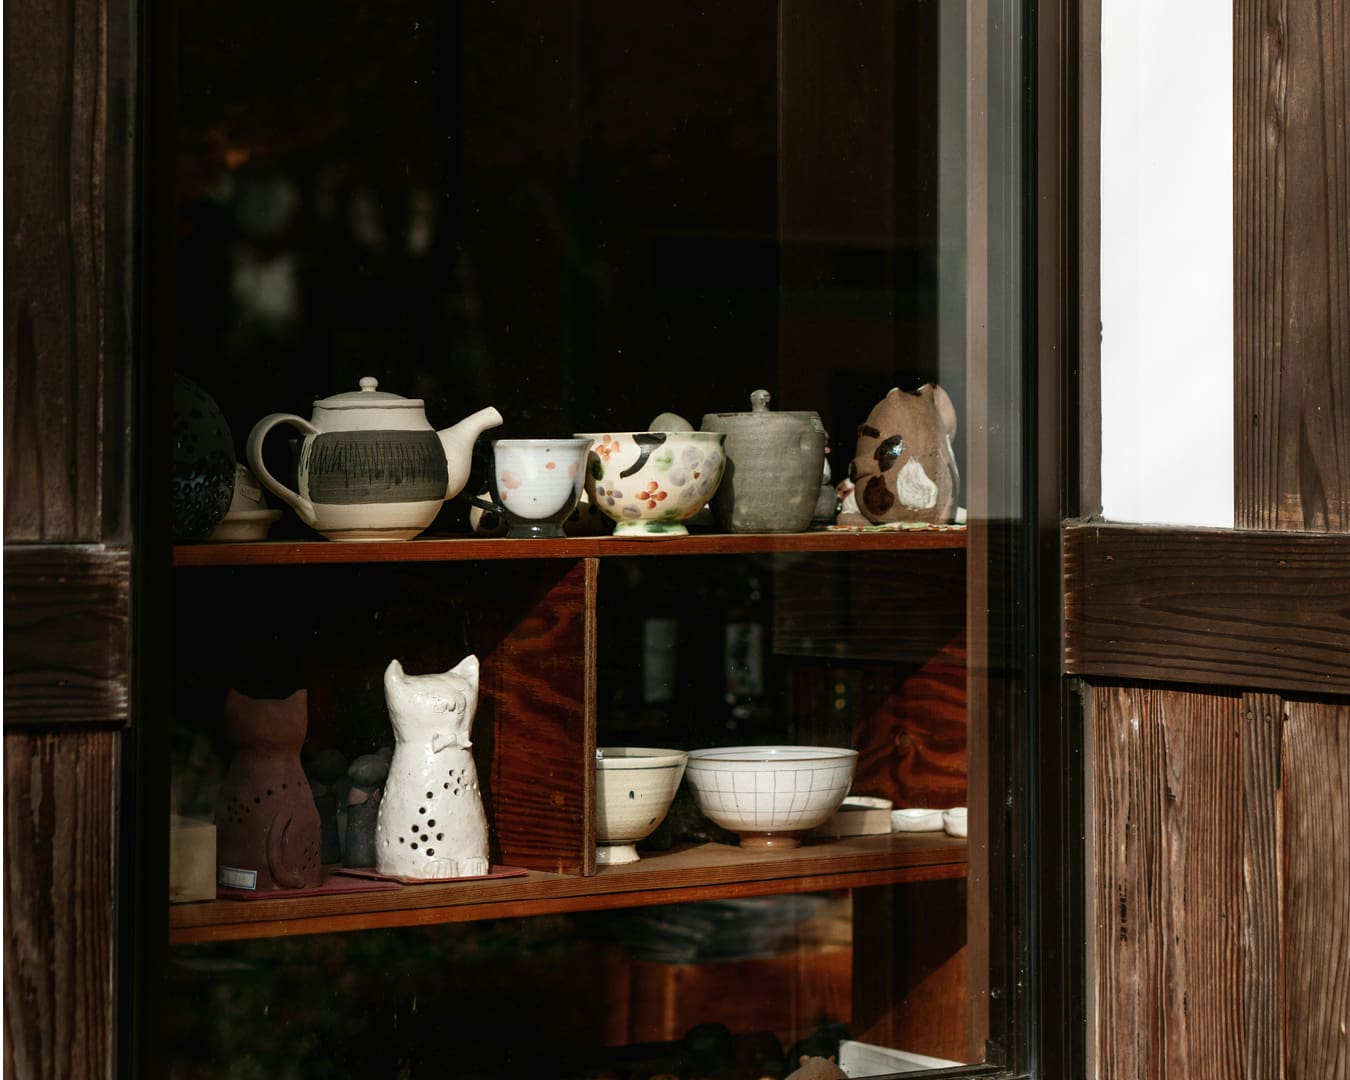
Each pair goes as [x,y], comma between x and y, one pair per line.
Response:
[682,875]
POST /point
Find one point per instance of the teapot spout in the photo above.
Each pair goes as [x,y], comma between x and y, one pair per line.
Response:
[458,443]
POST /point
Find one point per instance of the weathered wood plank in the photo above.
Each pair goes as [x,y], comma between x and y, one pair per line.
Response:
[60,845]
[1262,823]
[1168,884]
[1208,606]
[66,644]
[1291,265]
[1316,968]
[55,113]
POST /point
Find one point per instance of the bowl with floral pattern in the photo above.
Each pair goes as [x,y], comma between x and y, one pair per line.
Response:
[651,482]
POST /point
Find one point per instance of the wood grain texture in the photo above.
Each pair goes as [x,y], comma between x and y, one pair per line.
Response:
[543,702]
[687,874]
[1291,294]
[56,116]
[1316,938]
[1168,884]
[912,741]
[1258,610]
[60,844]
[66,646]
[467,548]
[1262,883]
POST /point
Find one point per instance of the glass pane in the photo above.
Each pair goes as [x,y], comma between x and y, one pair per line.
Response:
[603,216]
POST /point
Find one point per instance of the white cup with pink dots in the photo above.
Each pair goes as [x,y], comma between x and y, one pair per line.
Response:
[535,484]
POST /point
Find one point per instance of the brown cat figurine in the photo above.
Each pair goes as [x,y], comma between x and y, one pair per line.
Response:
[267,826]
[904,468]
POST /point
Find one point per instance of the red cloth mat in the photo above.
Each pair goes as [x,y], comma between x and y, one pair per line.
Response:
[332,885]
[374,875]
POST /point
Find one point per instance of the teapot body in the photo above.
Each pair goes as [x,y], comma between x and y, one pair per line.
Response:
[370,466]
[373,485]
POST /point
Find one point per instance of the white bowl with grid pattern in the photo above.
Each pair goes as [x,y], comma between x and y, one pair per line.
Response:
[767,795]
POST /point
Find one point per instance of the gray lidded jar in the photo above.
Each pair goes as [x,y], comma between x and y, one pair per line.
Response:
[774,465]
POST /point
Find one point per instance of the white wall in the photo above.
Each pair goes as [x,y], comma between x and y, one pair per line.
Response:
[1167,261]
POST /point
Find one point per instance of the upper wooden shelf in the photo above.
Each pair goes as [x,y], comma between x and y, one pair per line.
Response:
[688,874]
[464,549]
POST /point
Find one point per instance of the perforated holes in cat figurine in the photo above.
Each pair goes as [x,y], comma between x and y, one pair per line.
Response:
[431,823]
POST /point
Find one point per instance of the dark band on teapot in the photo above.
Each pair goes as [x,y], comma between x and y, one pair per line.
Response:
[375,466]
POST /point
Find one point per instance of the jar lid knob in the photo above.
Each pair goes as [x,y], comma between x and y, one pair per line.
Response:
[369,383]
[759,401]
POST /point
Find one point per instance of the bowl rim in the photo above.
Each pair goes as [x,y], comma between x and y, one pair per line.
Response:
[771,755]
[638,757]
[569,441]
[698,436]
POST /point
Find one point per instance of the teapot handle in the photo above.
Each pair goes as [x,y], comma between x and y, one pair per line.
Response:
[253,450]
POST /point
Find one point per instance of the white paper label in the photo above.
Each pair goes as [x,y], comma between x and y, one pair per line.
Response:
[235,878]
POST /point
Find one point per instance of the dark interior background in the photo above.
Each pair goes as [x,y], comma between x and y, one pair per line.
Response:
[568,211]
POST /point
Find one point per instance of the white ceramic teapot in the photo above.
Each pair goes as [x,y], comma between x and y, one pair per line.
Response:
[370,466]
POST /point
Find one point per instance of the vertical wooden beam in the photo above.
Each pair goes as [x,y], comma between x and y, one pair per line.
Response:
[60,807]
[56,188]
[1169,872]
[1291,195]
[1316,895]
[1262,822]
[68,115]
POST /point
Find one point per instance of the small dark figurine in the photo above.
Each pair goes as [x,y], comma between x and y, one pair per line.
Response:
[267,827]
[367,774]
[326,770]
[817,1068]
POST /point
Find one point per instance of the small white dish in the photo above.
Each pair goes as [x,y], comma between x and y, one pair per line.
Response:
[916,819]
[954,821]
[858,815]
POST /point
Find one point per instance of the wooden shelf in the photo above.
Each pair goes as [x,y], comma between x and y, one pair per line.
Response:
[702,872]
[466,548]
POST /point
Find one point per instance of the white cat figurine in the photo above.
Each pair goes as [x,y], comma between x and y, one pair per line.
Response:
[431,822]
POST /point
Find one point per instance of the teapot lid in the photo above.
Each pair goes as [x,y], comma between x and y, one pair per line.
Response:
[761,414]
[368,397]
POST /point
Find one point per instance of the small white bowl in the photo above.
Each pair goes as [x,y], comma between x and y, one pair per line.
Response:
[634,787]
[954,821]
[768,795]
